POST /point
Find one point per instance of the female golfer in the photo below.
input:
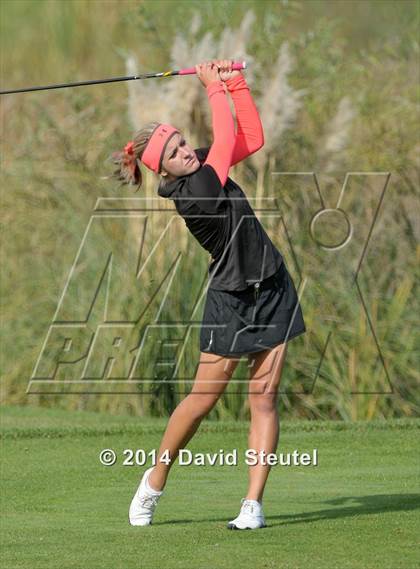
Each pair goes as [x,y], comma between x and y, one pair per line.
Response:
[251,304]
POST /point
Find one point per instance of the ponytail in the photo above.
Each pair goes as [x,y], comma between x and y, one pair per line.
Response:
[128,160]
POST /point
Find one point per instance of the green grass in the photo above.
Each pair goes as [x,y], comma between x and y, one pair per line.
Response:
[359,508]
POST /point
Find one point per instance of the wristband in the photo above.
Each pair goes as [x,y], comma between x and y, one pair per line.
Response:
[237,82]
[215,87]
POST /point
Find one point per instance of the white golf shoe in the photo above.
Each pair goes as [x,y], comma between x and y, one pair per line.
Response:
[251,516]
[144,502]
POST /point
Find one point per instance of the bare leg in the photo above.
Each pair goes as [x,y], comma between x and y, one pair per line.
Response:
[213,374]
[263,401]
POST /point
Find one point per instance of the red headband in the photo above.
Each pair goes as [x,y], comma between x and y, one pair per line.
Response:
[156,146]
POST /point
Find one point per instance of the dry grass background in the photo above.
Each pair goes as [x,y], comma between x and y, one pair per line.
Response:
[336,85]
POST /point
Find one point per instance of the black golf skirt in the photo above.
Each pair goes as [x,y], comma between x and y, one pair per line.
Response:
[264,315]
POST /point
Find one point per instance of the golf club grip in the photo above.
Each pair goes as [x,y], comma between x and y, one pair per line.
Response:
[237,65]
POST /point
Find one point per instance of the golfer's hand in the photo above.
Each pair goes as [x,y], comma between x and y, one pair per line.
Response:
[207,73]
[225,69]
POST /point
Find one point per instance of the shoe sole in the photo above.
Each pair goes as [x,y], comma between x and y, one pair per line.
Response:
[232,526]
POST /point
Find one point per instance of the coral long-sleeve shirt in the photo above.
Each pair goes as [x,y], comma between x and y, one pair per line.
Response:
[214,208]
[229,147]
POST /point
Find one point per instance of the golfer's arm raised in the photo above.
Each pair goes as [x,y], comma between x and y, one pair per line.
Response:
[220,153]
[250,134]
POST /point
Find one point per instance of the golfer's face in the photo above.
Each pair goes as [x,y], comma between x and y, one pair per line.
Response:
[179,159]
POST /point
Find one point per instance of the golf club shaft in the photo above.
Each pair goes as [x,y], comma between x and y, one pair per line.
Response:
[187,71]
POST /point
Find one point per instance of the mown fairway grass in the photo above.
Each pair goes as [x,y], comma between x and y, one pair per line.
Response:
[62,509]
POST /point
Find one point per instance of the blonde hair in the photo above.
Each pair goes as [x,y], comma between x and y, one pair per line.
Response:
[128,169]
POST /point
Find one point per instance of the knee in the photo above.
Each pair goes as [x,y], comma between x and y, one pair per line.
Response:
[263,400]
[200,404]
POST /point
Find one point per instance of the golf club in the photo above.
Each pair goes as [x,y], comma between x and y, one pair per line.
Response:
[186,71]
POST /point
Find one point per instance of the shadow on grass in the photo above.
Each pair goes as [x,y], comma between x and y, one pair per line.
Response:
[355,506]
[351,506]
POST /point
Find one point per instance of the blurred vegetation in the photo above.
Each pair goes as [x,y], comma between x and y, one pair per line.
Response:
[337,85]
